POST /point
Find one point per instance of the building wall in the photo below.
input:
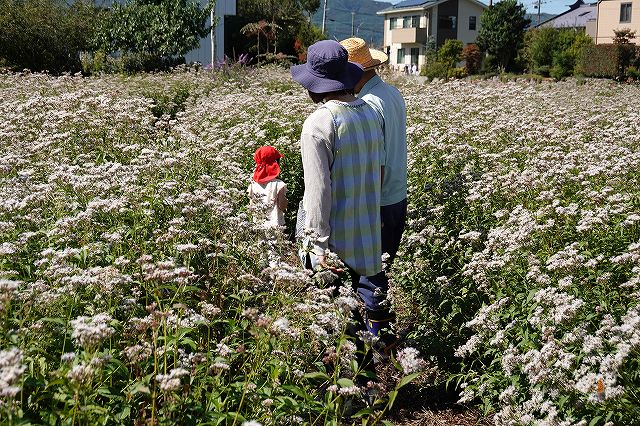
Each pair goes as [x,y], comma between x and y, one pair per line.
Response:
[590,29]
[461,9]
[609,20]
[395,40]
[465,10]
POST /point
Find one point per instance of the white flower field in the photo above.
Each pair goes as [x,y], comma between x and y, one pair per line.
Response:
[136,289]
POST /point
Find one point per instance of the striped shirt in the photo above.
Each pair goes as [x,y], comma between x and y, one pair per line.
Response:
[342,152]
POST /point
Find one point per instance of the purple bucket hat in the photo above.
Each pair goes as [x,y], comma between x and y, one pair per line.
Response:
[327,68]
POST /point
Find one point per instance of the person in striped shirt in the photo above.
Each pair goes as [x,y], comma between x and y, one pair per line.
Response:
[342,156]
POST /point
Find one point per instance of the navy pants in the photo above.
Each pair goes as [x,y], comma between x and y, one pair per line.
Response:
[373,290]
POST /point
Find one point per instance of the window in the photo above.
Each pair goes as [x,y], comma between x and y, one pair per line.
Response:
[415,54]
[625,12]
[472,23]
[393,23]
[401,56]
[406,22]
[447,22]
[415,21]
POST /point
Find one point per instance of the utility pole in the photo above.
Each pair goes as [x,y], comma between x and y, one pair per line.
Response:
[324,16]
[213,39]
[353,16]
[538,12]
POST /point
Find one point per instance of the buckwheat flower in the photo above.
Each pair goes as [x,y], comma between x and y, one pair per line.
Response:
[68,356]
[410,361]
[11,370]
[80,374]
[223,350]
[252,423]
[508,394]
[367,337]
[138,353]
[186,248]
[466,395]
[470,236]
[171,382]
[349,390]
[89,332]
[332,388]
[7,290]
[220,365]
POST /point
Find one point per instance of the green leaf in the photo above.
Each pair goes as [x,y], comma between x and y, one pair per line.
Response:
[408,379]
[316,375]
[392,397]
[363,412]
[594,421]
[345,383]
[139,387]
[53,320]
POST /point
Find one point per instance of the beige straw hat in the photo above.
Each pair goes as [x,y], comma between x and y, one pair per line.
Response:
[361,54]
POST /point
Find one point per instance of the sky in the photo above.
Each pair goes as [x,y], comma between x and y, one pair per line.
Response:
[546,6]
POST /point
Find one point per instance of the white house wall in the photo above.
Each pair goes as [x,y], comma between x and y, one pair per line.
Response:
[470,9]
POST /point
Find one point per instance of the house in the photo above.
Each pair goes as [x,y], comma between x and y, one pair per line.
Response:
[207,45]
[617,15]
[581,16]
[214,41]
[412,25]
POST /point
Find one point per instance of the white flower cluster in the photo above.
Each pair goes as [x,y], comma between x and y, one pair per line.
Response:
[89,332]
[11,369]
[410,360]
[171,382]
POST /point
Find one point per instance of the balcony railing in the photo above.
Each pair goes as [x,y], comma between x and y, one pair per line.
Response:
[409,35]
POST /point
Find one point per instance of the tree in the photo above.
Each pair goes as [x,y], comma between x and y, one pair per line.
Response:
[502,31]
[268,30]
[291,19]
[45,34]
[450,52]
[472,57]
[162,28]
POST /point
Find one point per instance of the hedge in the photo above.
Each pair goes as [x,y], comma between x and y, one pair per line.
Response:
[607,60]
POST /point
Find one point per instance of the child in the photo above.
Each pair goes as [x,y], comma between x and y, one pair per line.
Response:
[267,187]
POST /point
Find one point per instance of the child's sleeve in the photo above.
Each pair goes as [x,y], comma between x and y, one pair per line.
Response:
[282,198]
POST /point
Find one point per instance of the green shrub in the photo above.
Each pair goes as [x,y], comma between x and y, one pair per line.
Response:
[450,53]
[551,51]
[563,65]
[457,72]
[540,47]
[489,65]
[607,60]
[435,70]
[633,73]
[45,34]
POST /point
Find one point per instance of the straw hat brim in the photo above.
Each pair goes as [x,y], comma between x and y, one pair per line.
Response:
[378,57]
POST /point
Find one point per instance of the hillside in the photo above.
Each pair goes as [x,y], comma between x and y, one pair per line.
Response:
[366,24]
[534,17]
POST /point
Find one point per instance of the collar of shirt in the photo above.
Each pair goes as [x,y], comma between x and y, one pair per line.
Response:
[373,81]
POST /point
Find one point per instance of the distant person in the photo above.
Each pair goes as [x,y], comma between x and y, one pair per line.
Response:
[342,156]
[388,102]
[266,188]
[414,69]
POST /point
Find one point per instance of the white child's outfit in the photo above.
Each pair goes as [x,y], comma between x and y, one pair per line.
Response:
[268,192]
